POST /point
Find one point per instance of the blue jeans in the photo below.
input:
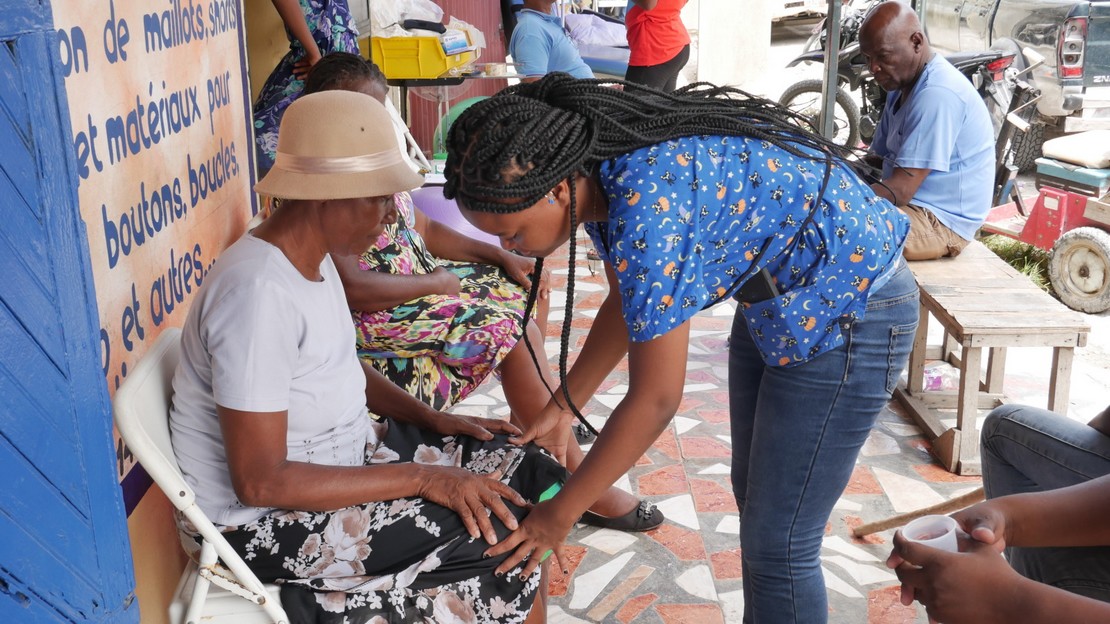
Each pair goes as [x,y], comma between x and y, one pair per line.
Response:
[795,435]
[1027,449]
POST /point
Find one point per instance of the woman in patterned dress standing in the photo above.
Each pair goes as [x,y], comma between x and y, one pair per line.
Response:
[314,28]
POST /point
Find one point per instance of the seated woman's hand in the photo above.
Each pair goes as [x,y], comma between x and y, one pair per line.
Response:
[472,496]
[474,426]
[520,269]
[447,283]
[973,585]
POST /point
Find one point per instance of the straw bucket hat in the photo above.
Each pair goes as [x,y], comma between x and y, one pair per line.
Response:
[337,145]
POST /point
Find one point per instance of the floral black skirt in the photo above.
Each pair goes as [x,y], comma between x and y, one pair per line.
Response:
[404,560]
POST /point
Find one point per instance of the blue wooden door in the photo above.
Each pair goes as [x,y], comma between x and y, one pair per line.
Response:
[64,553]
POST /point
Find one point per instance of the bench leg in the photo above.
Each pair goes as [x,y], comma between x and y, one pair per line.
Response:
[1059,386]
[996,370]
[967,412]
[916,371]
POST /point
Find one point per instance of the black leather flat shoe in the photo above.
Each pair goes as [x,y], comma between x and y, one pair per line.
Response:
[644,517]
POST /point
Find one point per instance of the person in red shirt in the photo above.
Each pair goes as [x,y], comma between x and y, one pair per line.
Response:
[658,42]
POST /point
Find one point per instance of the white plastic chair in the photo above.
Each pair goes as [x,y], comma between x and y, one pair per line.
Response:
[221,588]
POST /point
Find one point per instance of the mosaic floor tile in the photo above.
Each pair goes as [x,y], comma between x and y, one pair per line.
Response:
[587,586]
[685,544]
[680,510]
[634,606]
[690,613]
[906,494]
[698,582]
[617,597]
[726,564]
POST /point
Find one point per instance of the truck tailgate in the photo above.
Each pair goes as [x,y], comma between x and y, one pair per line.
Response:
[1096,62]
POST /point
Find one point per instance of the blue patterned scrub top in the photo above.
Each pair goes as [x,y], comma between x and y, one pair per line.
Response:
[690,217]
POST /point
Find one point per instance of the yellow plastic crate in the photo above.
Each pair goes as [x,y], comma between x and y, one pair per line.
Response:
[407,58]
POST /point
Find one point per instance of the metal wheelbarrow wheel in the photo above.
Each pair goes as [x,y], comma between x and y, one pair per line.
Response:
[1080,269]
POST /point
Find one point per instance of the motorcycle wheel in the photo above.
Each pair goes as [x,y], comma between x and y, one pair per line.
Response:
[804,98]
[1025,147]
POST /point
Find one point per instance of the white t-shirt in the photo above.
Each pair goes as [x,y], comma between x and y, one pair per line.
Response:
[260,337]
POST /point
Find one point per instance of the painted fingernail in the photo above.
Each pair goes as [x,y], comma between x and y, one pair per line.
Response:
[497,573]
[485,555]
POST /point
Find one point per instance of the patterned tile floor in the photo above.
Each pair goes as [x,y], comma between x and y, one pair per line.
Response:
[689,569]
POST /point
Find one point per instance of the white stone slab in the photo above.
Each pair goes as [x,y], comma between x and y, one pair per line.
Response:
[839,544]
[587,586]
[698,581]
[609,541]
[680,510]
[906,494]
[729,525]
[862,573]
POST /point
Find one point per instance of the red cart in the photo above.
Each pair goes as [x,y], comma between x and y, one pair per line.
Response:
[1070,218]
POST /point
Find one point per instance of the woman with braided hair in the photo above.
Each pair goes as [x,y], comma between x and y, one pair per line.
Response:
[692,198]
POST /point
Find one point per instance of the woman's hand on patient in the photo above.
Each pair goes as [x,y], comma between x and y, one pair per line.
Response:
[540,531]
[520,269]
[550,430]
[471,496]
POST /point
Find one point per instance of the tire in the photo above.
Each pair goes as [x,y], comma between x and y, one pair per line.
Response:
[1080,269]
[804,98]
[1028,146]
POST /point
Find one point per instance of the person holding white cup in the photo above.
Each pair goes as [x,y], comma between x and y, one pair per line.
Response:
[975,585]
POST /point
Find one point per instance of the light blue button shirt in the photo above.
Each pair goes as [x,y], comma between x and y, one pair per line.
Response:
[541,46]
[943,126]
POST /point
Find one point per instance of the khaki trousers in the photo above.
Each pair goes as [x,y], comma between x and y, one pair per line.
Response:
[929,239]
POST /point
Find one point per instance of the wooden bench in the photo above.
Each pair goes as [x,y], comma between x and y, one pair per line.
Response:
[982,303]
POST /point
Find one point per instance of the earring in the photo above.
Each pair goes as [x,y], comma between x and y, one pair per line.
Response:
[550,198]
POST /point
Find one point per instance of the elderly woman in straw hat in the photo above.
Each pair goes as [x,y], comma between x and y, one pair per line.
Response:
[359,518]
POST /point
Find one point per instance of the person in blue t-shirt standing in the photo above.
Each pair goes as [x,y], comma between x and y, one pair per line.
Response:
[694,198]
[935,135]
[541,46]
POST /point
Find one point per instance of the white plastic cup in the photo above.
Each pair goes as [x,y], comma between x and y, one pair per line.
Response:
[935,531]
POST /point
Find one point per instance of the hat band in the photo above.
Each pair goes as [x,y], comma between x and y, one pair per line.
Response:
[336,164]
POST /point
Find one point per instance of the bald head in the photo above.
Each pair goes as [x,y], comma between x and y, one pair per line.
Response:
[895,47]
[893,18]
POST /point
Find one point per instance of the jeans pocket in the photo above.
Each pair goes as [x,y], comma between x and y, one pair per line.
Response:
[901,341]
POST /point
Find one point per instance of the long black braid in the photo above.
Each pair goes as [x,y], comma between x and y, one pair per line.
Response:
[506,152]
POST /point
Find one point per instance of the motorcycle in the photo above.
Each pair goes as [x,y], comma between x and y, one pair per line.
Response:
[851,18]
[854,124]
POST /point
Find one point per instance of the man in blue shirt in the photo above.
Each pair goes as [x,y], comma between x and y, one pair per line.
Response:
[935,136]
[541,46]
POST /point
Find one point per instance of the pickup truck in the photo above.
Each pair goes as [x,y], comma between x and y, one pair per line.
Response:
[1072,35]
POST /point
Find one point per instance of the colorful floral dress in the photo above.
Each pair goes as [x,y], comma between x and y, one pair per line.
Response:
[334,31]
[439,347]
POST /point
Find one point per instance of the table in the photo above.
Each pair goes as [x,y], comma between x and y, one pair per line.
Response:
[983,304]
